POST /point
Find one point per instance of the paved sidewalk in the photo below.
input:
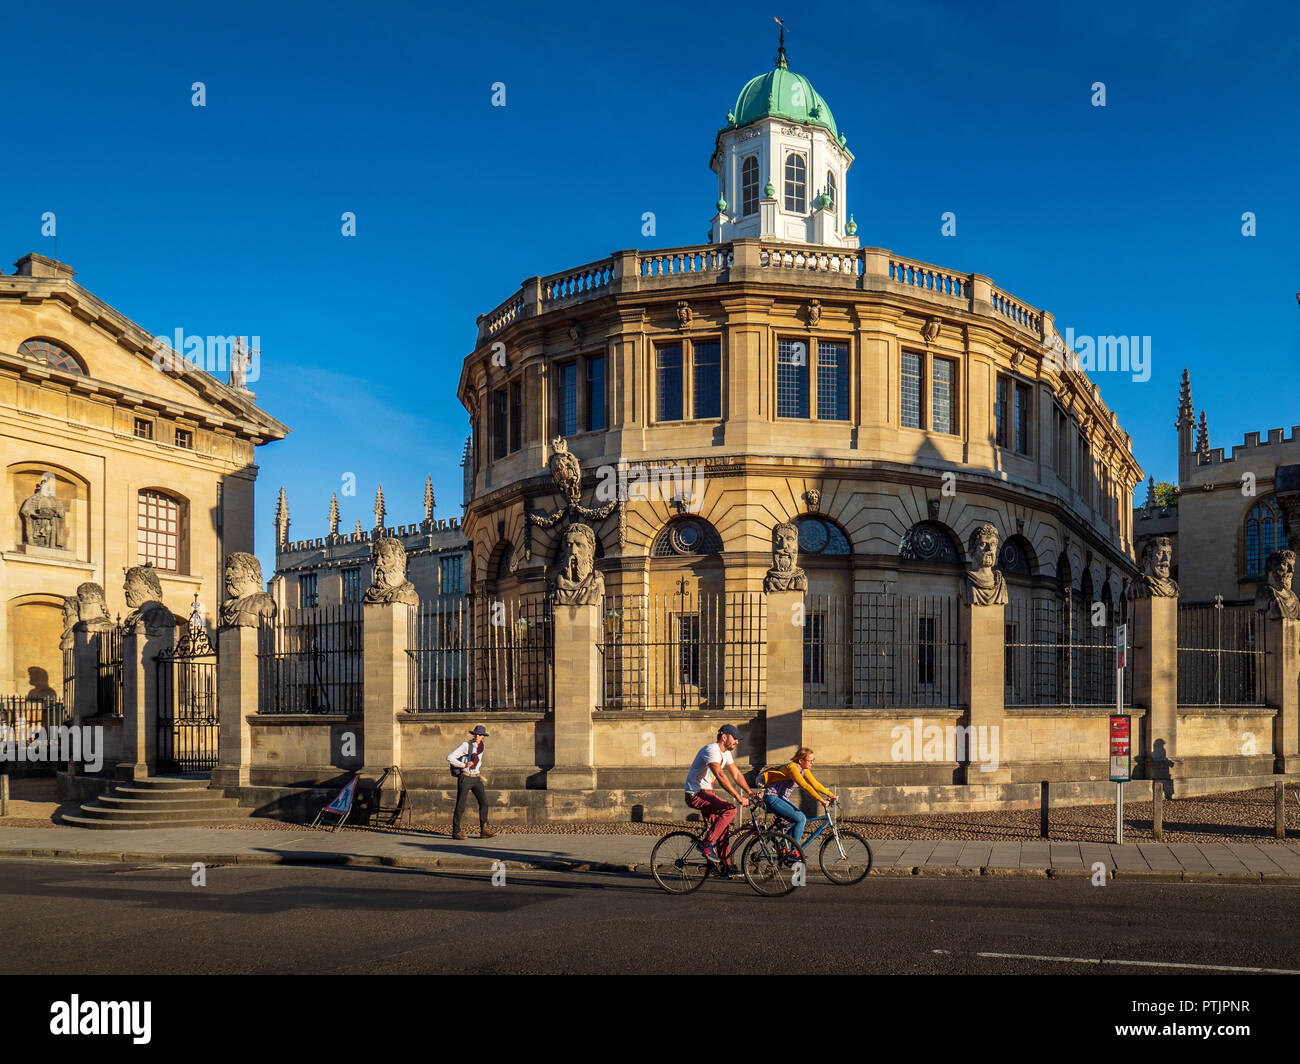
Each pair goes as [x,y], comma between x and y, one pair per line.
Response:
[1262,862]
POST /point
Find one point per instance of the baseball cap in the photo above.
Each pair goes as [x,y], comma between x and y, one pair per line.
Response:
[729,729]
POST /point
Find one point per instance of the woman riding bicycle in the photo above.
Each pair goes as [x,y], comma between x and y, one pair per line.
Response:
[779,782]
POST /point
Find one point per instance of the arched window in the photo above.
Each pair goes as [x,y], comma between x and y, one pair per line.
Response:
[1086,594]
[926,541]
[796,184]
[831,190]
[749,186]
[817,536]
[687,535]
[1264,535]
[1016,557]
[160,531]
[1064,572]
[50,354]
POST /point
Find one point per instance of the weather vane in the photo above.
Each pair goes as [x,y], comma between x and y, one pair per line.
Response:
[780,55]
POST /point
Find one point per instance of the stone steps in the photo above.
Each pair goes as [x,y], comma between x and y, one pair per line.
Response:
[158,802]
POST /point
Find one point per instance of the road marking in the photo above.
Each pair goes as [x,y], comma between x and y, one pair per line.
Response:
[1138,964]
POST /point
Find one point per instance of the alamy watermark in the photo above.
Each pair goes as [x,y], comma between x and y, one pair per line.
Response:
[978,744]
[1100,354]
[83,743]
[216,354]
[682,485]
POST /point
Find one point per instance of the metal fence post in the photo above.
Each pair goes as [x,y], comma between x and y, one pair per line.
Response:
[1044,805]
[1279,809]
[1158,810]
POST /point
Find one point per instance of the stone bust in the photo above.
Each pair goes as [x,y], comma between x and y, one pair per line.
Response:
[1276,597]
[389,583]
[785,574]
[575,581]
[144,600]
[42,516]
[92,607]
[246,603]
[71,615]
[985,584]
[1154,581]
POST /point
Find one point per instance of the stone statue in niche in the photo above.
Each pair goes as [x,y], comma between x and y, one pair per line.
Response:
[43,515]
[575,581]
[246,603]
[144,600]
[985,584]
[389,583]
[785,574]
[1276,597]
[71,615]
[1154,581]
[92,607]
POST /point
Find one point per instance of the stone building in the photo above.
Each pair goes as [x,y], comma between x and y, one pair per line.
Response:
[337,568]
[1227,518]
[886,406]
[115,454]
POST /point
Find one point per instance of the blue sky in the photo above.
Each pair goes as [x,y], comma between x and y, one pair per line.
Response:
[1122,220]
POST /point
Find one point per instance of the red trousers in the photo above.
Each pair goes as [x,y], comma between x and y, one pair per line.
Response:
[718,814]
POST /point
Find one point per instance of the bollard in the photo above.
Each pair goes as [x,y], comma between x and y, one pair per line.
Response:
[1043,804]
[1158,810]
[4,793]
[1279,809]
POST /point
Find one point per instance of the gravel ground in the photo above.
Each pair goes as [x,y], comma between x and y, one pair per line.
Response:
[1240,816]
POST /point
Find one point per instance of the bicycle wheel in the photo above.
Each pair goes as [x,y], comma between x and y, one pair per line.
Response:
[845,858]
[765,869]
[677,863]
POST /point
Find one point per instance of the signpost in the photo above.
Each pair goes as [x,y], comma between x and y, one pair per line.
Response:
[1121,733]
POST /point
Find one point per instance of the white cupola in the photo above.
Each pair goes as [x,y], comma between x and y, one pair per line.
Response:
[782,164]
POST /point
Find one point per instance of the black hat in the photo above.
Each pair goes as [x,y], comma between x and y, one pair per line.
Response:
[479,730]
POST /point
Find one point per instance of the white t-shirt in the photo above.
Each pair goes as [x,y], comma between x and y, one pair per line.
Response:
[700,777]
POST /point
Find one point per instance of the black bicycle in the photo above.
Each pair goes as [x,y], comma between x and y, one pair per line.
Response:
[678,862]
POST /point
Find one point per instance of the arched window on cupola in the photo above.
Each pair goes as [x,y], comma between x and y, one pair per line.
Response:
[796,184]
[749,186]
[1263,535]
[831,190]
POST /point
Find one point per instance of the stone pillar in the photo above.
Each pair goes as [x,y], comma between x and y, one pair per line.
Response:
[236,701]
[1155,680]
[85,685]
[577,693]
[384,640]
[1282,689]
[785,631]
[140,652]
[983,687]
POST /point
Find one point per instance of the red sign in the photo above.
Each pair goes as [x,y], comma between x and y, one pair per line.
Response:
[1121,748]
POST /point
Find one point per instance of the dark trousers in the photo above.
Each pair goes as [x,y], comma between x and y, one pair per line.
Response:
[465,783]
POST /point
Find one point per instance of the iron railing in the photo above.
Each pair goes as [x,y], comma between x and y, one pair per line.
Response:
[1220,655]
[480,653]
[1056,656]
[687,650]
[309,660]
[188,729]
[108,671]
[880,649]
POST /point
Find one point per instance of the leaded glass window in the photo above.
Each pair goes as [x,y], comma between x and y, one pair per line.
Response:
[792,378]
[669,383]
[708,378]
[941,396]
[749,186]
[910,396]
[832,381]
[796,184]
[568,396]
[51,354]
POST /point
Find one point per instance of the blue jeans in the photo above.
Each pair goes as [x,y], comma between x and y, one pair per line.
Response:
[782,808]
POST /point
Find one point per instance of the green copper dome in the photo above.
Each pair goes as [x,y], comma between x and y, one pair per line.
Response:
[781,93]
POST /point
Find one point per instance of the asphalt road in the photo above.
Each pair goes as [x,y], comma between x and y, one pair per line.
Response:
[85,918]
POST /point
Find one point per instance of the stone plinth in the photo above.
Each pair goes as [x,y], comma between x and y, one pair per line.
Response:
[577,693]
[1155,680]
[1282,689]
[385,630]
[983,689]
[785,632]
[140,693]
[236,701]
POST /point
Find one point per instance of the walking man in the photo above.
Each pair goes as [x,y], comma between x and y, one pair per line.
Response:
[467,766]
[714,762]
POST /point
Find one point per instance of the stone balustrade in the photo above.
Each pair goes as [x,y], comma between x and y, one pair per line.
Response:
[867,269]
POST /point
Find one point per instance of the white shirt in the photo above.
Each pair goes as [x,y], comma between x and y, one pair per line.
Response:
[700,777]
[461,755]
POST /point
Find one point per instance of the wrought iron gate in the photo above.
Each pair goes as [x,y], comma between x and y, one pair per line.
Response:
[188,727]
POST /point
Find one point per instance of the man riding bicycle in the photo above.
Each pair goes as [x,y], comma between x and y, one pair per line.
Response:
[714,762]
[779,782]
